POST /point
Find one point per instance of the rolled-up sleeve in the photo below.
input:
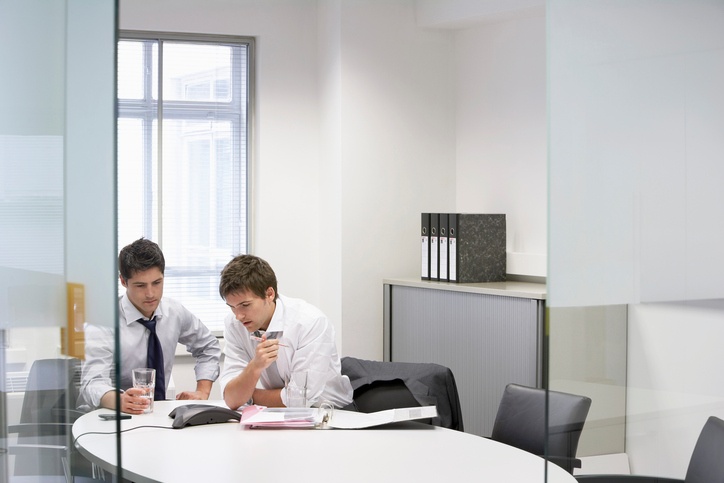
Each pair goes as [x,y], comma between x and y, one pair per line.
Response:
[97,368]
[236,354]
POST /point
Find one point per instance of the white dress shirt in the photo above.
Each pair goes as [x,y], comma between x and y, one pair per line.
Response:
[174,324]
[311,347]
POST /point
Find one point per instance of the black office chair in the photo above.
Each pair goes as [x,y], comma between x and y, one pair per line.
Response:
[44,451]
[387,385]
[521,422]
[705,466]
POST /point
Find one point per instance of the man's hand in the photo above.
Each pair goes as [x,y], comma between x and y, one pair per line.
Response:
[266,353]
[193,395]
[242,387]
[203,389]
[132,402]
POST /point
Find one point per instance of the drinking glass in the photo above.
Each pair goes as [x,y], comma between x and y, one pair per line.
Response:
[145,378]
[297,390]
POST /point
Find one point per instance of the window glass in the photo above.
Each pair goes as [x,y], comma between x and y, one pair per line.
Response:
[130,79]
[182,159]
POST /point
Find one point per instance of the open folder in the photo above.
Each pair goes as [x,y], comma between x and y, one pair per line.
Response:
[322,418]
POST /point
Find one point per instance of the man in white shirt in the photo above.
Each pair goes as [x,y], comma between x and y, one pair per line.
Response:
[146,318]
[269,337]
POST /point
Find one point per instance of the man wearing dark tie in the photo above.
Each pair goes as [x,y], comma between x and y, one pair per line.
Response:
[150,326]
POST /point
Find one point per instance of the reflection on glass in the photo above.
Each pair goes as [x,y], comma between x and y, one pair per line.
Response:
[55,156]
[635,178]
[31,206]
[587,356]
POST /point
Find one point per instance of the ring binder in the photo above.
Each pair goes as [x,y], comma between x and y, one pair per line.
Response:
[434,246]
[463,247]
[425,246]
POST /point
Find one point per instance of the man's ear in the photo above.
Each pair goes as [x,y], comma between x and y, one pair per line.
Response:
[270,293]
[123,281]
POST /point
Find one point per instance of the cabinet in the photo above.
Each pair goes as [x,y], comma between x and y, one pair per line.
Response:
[488,334]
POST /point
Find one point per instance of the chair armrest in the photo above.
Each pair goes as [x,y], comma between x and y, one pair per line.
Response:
[39,429]
[564,462]
[32,449]
[69,415]
[625,479]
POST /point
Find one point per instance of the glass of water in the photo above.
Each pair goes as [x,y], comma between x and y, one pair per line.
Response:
[145,378]
[297,390]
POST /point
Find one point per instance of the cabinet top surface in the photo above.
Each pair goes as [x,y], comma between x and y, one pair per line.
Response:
[506,289]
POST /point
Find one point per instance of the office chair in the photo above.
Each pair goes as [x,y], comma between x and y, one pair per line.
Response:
[705,466]
[386,385]
[521,422]
[43,451]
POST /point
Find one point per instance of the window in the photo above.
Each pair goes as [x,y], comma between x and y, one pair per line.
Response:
[183,155]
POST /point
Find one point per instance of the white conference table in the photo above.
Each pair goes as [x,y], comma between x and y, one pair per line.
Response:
[229,452]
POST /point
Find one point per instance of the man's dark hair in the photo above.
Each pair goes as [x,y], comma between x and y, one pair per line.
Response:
[247,272]
[139,256]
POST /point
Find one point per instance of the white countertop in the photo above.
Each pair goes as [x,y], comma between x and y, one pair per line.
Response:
[527,290]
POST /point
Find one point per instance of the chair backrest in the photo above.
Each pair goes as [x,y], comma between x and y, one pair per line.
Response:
[385,385]
[707,460]
[51,391]
[521,422]
[382,395]
[45,417]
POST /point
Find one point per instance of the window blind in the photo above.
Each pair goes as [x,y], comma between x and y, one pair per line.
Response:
[183,159]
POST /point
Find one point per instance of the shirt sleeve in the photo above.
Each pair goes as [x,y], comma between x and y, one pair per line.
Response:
[96,379]
[236,356]
[202,345]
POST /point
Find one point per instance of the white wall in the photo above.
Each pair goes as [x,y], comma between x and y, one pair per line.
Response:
[330,173]
[501,139]
[286,171]
[398,154]
[355,138]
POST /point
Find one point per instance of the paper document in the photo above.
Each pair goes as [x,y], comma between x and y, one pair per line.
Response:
[260,416]
[263,417]
[354,420]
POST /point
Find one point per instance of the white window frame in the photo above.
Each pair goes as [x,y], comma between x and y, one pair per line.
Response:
[150,109]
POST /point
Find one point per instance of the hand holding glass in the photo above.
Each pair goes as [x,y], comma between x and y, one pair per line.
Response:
[145,379]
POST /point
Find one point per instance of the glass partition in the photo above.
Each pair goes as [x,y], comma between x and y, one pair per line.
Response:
[636,273]
[57,213]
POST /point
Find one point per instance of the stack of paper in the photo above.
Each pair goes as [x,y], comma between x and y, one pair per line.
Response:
[354,420]
[263,417]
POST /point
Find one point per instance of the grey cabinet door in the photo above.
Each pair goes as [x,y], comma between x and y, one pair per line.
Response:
[487,341]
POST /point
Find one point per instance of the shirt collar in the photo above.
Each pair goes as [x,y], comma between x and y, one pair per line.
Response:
[277,322]
[131,314]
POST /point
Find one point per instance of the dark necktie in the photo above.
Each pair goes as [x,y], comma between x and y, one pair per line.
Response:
[155,358]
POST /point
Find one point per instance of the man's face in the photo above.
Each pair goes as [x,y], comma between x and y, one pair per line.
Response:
[252,311]
[144,290]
